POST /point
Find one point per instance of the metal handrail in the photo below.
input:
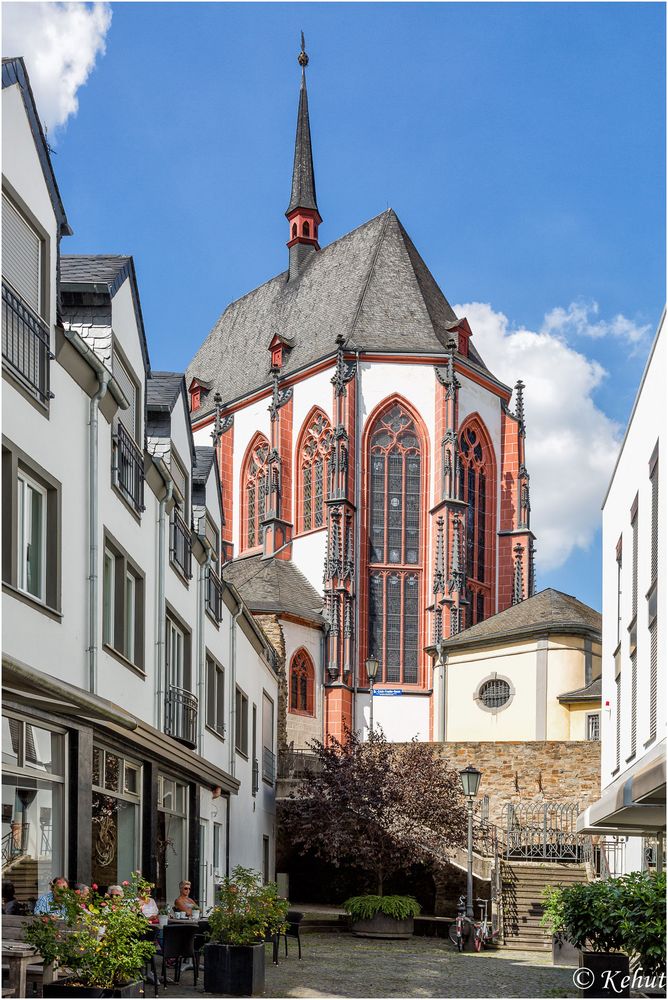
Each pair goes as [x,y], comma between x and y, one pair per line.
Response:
[181,715]
[128,468]
[26,345]
[180,550]
[214,595]
[14,846]
[298,763]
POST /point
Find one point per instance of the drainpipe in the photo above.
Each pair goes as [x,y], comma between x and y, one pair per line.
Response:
[93,505]
[201,666]
[160,628]
[358,525]
[233,688]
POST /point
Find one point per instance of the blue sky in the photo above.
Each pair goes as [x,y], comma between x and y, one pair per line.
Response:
[522,145]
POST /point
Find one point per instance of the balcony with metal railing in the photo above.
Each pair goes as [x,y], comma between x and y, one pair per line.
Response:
[128,468]
[268,765]
[214,595]
[181,715]
[26,350]
[180,547]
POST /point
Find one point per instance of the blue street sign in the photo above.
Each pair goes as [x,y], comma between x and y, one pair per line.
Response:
[387,692]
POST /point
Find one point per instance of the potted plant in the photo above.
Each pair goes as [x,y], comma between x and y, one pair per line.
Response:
[103,942]
[163,916]
[247,913]
[642,921]
[589,916]
[382,916]
[564,952]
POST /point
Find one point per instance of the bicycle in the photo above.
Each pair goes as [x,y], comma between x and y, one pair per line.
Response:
[460,931]
[484,933]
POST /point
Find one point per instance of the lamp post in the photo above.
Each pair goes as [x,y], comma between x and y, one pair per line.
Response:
[372,665]
[470,778]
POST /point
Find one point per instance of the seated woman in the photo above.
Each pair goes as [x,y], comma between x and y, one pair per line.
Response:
[183,901]
[149,908]
[115,890]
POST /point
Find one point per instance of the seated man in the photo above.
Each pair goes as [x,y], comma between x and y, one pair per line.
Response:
[48,902]
[115,890]
[183,902]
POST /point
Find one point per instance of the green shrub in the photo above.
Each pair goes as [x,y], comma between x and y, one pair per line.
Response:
[396,907]
[248,911]
[642,920]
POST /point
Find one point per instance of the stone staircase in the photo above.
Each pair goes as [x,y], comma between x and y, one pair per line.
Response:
[22,871]
[522,891]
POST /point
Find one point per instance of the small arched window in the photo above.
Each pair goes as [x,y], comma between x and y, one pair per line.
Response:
[475,489]
[313,465]
[255,482]
[294,229]
[302,684]
[306,229]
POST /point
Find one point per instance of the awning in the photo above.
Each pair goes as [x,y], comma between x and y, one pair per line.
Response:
[633,804]
[33,688]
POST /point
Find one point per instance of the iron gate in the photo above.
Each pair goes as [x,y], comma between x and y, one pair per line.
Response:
[543,831]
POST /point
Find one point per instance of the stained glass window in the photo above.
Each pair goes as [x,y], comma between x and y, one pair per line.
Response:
[474,490]
[302,681]
[316,443]
[255,479]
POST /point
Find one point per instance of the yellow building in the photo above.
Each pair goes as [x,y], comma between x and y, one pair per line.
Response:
[532,672]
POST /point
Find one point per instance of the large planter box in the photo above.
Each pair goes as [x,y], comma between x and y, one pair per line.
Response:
[381,926]
[66,988]
[564,953]
[606,973]
[234,969]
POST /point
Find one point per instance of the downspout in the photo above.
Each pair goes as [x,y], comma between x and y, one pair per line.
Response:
[160,614]
[201,666]
[233,688]
[103,378]
[358,525]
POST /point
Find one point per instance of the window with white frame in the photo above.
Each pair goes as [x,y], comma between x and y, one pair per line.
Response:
[31,537]
[593,726]
[176,648]
[215,696]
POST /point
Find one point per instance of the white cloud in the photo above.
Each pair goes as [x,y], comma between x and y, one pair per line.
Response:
[571,444]
[580,319]
[60,43]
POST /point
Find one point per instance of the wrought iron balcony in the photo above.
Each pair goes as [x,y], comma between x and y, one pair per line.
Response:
[268,765]
[128,468]
[180,549]
[25,345]
[214,595]
[181,715]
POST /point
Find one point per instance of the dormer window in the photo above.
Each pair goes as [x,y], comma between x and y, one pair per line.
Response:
[197,391]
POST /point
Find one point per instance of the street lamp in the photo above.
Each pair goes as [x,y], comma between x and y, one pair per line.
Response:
[372,666]
[470,778]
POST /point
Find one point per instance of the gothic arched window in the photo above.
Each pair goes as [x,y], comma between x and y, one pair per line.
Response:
[302,684]
[313,465]
[476,490]
[254,486]
[395,543]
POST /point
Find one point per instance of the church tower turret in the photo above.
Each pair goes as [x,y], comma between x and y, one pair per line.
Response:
[302,214]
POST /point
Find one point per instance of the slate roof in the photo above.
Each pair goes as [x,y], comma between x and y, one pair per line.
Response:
[204,456]
[274,585]
[590,692]
[303,178]
[548,611]
[163,390]
[108,270]
[371,285]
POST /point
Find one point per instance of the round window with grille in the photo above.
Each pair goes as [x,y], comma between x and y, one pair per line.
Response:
[494,693]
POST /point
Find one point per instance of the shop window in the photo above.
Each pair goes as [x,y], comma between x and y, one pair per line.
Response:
[33,805]
[172,841]
[116,806]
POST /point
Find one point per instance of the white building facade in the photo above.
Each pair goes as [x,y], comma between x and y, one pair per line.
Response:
[635,614]
[139,693]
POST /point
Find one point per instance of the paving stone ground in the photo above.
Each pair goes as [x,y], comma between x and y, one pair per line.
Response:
[340,965]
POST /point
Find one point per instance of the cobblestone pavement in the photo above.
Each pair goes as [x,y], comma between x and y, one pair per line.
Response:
[340,965]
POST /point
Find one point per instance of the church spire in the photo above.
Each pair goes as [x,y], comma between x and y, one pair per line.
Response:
[302,214]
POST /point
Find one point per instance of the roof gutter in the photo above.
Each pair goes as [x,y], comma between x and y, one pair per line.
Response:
[98,366]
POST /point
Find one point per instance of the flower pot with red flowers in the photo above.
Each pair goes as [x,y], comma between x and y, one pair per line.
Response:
[102,941]
[248,913]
